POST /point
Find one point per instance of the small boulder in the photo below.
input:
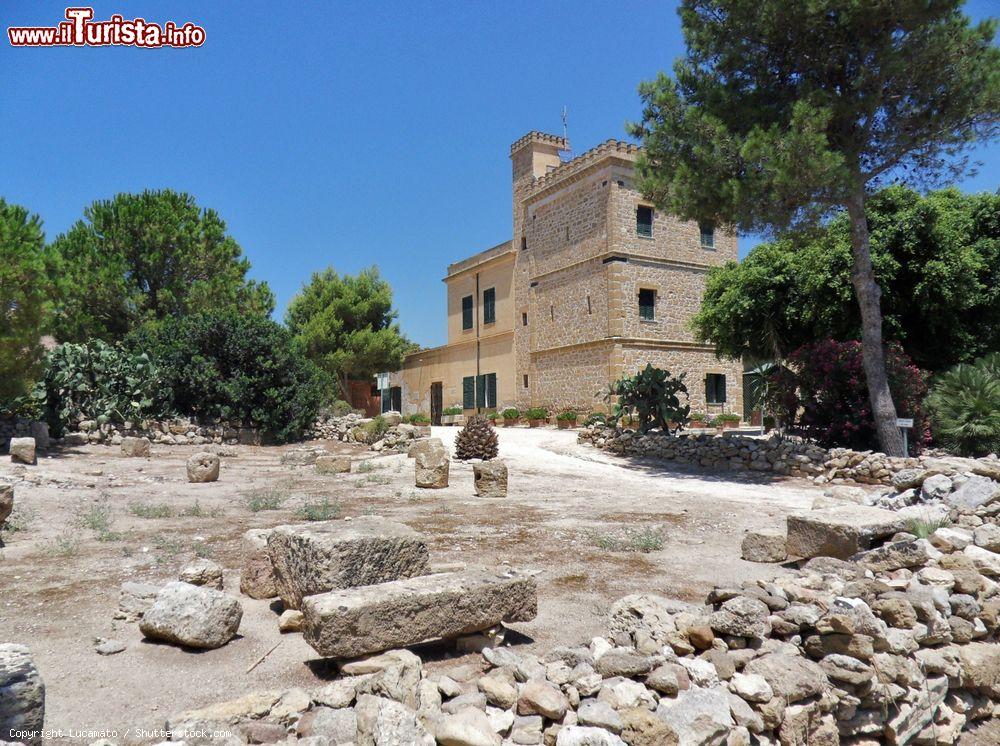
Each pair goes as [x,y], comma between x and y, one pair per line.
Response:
[290,621]
[431,468]
[764,546]
[330,464]
[203,467]
[203,572]
[974,492]
[490,478]
[134,599]
[467,727]
[192,616]
[135,447]
[935,487]
[22,451]
[539,697]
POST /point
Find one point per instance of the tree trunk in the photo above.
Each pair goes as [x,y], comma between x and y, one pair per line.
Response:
[868,293]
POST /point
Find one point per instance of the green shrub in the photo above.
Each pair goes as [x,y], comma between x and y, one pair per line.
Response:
[101,382]
[964,405]
[653,396]
[596,418]
[452,411]
[266,498]
[371,431]
[569,415]
[142,509]
[340,408]
[728,417]
[227,366]
[492,416]
[419,418]
[511,413]
[700,417]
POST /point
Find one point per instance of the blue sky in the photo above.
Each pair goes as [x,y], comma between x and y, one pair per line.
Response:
[332,133]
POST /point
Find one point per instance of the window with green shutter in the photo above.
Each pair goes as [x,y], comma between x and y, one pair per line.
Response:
[467,312]
[489,305]
[647,305]
[644,221]
[715,388]
[469,392]
[486,390]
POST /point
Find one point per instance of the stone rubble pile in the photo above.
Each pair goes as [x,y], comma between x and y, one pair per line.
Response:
[894,647]
[350,428]
[787,456]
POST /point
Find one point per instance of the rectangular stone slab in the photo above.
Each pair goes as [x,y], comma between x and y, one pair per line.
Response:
[317,557]
[358,621]
[840,531]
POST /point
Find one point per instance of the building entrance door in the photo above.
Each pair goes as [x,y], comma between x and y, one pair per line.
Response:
[436,399]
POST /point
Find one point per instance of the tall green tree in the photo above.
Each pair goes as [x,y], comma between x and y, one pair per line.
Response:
[936,258]
[783,112]
[23,294]
[347,325]
[139,258]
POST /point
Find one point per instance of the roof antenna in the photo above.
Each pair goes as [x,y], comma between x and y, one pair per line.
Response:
[566,154]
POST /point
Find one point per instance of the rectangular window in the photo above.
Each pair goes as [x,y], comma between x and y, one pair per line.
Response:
[524,318]
[467,312]
[647,304]
[644,221]
[486,390]
[524,243]
[525,380]
[707,231]
[552,313]
[589,309]
[489,305]
[469,392]
[715,388]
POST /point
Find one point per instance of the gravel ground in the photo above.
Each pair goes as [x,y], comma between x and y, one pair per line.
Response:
[566,506]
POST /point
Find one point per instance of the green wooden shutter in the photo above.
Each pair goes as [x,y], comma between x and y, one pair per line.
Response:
[468,392]
[467,312]
[491,390]
[489,305]
[481,391]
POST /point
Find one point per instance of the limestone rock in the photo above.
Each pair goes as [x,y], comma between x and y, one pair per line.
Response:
[935,487]
[352,622]
[431,468]
[22,695]
[134,599]
[792,677]
[290,621]
[193,616]
[6,502]
[986,536]
[576,735]
[203,572]
[697,716]
[840,532]
[330,464]
[423,445]
[467,727]
[384,722]
[203,467]
[490,478]
[22,451]
[539,697]
[303,455]
[974,492]
[257,576]
[645,616]
[897,555]
[318,557]
[135,447]
[640,727]
[764,546]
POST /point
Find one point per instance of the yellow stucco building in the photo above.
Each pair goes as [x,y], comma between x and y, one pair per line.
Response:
[595,282]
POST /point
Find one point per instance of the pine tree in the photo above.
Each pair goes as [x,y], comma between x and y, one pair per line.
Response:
[477,439]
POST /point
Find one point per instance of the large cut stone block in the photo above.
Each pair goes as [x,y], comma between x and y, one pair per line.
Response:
[193,616]
[358,621]
[490,478]
[22,696]
[319,557]
[841,531]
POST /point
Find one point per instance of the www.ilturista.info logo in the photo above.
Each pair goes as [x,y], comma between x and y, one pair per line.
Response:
[80,30]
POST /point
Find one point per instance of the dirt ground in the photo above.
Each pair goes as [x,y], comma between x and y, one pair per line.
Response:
[92,519]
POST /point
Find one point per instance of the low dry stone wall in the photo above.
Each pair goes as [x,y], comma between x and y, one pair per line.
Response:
[22,428]
[165,432]
[789,456]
